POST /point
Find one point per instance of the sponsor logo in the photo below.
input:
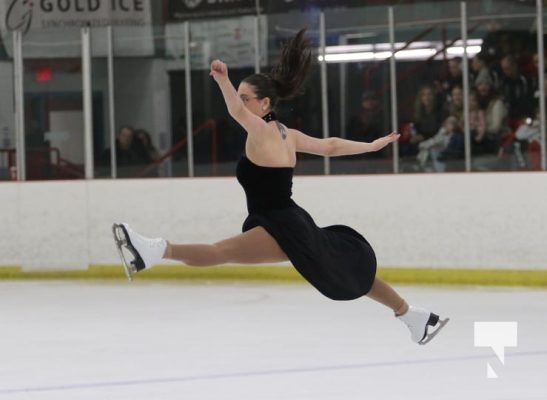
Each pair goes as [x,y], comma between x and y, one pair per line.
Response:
[19,15]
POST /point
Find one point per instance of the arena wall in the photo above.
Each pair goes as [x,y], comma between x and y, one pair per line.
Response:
[466,221]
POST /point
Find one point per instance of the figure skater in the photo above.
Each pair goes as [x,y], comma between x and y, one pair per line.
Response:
[336,260]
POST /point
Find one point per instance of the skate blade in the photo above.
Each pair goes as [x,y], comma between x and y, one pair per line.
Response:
[430,336]
[122,244]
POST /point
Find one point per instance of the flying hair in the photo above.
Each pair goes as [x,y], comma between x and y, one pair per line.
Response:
[290,73]
[286,79]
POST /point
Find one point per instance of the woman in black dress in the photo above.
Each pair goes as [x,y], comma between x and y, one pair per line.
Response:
[336,260]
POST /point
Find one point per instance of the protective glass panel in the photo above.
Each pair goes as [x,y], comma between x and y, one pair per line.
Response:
[505,83]
[53,96]
[430,87]
[7,109]
[359,88]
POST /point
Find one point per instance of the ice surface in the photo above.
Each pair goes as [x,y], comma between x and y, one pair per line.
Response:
[143,340]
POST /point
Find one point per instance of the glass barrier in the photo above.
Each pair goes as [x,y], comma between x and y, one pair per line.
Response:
[175,141]
[146,108]
[540,155]
[219,141]
[140,104]
[504,81]
[359,85]
[54,116]
[100,102]
[7,123]
[429,87]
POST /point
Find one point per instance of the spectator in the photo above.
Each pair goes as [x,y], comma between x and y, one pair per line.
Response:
[147,153]
[479,67]
[447,144]
[455,104]
[126,155]
[527,144]
[477,120]
[516,90]
[454,77]
[455,149]
[495,114]
[428,115]
[124,147]
[147,150]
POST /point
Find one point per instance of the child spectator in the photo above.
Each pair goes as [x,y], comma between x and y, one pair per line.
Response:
[447,144]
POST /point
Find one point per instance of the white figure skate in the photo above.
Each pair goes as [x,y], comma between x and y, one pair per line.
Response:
[136,251]
[419,320]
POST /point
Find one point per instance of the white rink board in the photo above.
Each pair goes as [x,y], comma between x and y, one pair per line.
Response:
[444,221]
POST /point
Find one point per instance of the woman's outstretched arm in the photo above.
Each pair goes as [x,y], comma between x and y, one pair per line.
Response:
[249,121]
[336,146]
[219,71]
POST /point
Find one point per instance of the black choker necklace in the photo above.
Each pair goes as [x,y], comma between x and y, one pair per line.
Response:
[270,117]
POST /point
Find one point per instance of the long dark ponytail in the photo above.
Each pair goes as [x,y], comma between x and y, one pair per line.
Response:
[286,79]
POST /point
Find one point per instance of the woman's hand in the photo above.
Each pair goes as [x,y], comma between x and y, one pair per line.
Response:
[218,70]
[382,142]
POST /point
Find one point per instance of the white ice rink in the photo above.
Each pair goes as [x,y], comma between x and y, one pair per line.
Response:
[115,340]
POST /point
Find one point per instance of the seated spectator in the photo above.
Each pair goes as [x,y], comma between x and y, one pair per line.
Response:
[453,78]
[477,120]
[495,113]
[124,147]
[428,114]
[447,144]
[516,90]
[127,154]
[454,106]
[479,66]
[527,144]
[529,130]
[147,150]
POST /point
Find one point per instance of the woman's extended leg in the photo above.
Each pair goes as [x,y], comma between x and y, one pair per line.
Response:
[417,319]
[251,247]
[386,295]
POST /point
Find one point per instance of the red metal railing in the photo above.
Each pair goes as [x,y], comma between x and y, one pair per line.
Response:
[46,162]
[43,163]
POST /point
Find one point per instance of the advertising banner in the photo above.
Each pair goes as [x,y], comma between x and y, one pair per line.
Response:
[191,9]
[280,6]
[181,10]
[231,40]
[48,22]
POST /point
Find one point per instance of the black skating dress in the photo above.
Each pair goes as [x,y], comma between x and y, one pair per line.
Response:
[336,260]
